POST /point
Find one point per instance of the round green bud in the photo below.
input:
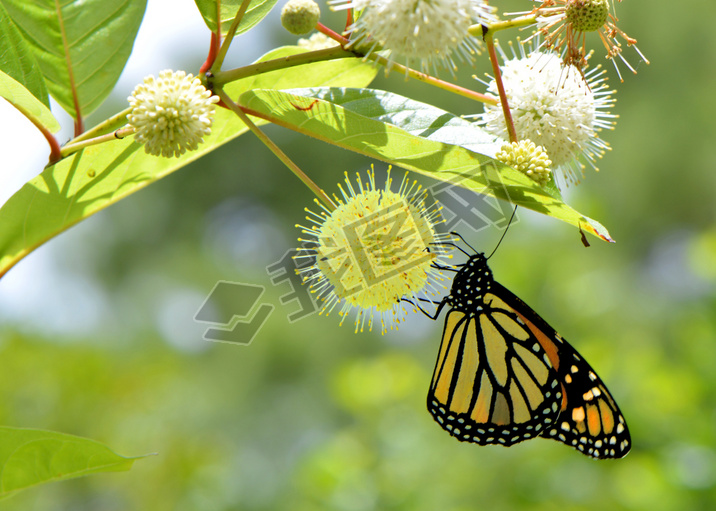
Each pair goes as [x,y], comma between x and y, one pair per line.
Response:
[300,16]
[587,15]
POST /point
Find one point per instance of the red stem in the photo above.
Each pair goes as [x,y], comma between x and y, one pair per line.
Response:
[330,33]
[79,122]
[55,148]
[215,43]
[213,51]
[501,88]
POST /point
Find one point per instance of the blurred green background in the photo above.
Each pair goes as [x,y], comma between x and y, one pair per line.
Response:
[99,339]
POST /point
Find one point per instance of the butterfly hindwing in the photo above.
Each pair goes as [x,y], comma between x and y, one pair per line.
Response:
[590,420]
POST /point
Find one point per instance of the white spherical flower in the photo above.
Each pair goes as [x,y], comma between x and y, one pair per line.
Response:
[427,31]
[375,248]
[556,107]
[171,114]
[317,41]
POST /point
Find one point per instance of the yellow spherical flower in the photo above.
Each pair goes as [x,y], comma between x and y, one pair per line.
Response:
[171,114]
[376,248]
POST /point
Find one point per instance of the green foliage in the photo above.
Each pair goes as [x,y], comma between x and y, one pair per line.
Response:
[81,47]
[310,415]
[86,182]
[338,73]
[412,135]
[29,457]
[257,10]
[100,175]
[17,60]
[25,101]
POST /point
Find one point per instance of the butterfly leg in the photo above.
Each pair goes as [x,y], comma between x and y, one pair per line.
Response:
[431,316]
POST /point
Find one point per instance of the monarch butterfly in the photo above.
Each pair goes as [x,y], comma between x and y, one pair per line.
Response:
[503,375]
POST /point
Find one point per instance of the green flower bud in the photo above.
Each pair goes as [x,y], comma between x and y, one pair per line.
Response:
[300,16]
[587,15]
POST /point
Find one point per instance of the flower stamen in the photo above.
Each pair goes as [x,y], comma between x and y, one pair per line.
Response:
[171,114]
[376,248]
[565,23]
[430,32]
[555,107]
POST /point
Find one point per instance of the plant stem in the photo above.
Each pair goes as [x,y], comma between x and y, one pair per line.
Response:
[213,51]
[431,80]
[325,199]
[113,123]
[224,77]
[489,30]
[214,44]
[216,66]
[408,72]
[332,33]
[51,140]
[349,18]
[71,148]
[487,33]
[501,88]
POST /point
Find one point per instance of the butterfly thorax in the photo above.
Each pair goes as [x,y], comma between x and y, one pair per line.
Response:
[470,285]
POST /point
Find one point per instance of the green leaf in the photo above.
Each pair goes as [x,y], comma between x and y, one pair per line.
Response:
[17,60]
[89,181]
[342,72]
[412,135]
[80,45]
[257,10]
[98,176]
[27,103]
[29,457]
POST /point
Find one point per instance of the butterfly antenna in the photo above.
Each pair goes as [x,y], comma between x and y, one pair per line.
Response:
[464,241]
[512,216]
